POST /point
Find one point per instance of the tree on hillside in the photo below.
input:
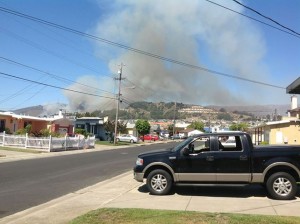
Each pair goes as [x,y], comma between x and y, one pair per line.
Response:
[197,125]
[223,110]
[239,127]
[142,127]
[224,116]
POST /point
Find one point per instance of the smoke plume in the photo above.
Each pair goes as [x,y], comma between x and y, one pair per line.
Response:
[194,32]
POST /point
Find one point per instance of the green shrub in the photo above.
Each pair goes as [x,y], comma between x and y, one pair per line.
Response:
[81,131]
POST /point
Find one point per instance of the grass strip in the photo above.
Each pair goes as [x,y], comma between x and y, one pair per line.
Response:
[20,150]
[147,216]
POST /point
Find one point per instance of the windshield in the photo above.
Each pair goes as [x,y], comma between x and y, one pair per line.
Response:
[182,144]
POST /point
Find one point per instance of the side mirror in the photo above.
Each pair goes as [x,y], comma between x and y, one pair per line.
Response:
[185,151]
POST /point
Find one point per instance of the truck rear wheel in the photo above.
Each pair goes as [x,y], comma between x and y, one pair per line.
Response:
[281,186]
[159,182]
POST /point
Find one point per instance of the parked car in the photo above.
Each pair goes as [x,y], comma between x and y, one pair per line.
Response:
[149,137]
[176,136]
[127,138]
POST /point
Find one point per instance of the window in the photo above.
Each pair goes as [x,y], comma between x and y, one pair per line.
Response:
[2,125]
[230,143]
[80,126]
[200,145]
[26,123]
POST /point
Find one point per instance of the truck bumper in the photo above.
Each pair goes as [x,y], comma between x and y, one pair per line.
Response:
[138,176]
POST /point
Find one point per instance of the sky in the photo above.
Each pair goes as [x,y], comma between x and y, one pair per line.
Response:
[195,52]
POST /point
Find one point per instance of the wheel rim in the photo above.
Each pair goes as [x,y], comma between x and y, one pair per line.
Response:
[282,186]
[159,182]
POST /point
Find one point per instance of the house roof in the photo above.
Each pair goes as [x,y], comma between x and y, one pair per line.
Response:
[294,87]
[270,123]
[89,118]
[13,115]
[129,125]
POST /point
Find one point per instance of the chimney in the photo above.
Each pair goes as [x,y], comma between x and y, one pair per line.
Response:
[60,114]
[294,103]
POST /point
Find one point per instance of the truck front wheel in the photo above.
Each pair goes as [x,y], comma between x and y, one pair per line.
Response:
[281,186]
[159,182]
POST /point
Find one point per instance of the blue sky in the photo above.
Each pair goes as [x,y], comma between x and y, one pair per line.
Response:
[194,32]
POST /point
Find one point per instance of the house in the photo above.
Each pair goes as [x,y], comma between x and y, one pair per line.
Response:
[13,122]
[93,125]
[188,132]
[131,129]
[285,131]
[62,126]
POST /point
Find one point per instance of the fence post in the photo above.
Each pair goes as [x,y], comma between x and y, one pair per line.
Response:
[26,140]
[50,143]
[65,142]
[3,138]
[88,142]
[78,142]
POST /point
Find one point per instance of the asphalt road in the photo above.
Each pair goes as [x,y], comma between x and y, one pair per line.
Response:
[27,183]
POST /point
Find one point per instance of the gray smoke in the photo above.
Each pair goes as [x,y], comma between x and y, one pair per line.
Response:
[84,102]
[195,32]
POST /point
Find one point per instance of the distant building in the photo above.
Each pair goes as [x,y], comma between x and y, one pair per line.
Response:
[131,129]
[197,110]
[93,125]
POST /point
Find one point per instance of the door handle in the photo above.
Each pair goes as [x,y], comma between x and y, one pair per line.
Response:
[244,157]
[210,158]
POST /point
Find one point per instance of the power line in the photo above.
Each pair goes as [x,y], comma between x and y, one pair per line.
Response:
[137,50]
[52,75]
[266,17]
[41,48]
[249,17]
[56,87]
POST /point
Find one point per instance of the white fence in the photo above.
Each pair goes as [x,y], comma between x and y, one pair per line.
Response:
[49,144]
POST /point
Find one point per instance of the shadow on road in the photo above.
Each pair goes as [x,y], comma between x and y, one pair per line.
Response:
[233,191]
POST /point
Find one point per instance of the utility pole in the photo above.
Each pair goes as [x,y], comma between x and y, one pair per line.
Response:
[118,103]
[174,121]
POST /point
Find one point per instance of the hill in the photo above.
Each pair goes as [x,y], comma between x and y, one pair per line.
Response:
[257,110]
[161,110]
[32,111]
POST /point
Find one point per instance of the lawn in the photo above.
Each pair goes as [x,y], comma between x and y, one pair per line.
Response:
[146,216]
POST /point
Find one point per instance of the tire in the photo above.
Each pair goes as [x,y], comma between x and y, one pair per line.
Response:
[159,182]
[131,141]
[281,186]
[117,140]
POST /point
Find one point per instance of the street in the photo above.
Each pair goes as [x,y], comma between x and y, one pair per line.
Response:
[31,182]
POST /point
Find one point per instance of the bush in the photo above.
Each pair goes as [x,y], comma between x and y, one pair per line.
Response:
[81,131]
[21,131]
[7,131]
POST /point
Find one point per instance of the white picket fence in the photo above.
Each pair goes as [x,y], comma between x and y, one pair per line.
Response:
[49,144]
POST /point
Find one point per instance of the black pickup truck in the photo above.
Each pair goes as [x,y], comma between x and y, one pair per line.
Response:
[222,158]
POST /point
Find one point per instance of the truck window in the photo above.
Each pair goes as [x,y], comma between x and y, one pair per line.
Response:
[200,145]
[230,143]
